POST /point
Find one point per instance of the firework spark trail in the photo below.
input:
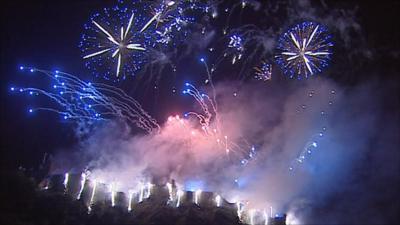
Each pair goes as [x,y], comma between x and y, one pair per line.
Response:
[218,200]
[200,99]
[66,178]
[197,195]
[212,102]
[160,14]
[309,147]
[91,101]
[208,107]
[92,196]
[241,5]
[112,188]
[209,75]
[179,194]
[313,142]
[169,187]
[83,182]
[131,192]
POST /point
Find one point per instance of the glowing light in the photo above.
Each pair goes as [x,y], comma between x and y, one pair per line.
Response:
[218,200]
[83,181]
[197,195]
[270,210]
[112,193]
[112,45]
[304,50]
[252,212]
[179,194]
[314,144]
[92,196]
[87,103]
[264,72]
[237,46]
[141,195]
[265,217]
[149,187]
[236,42]
[169,186]
[292,220]
[66,178]
[240,209]
[131,192]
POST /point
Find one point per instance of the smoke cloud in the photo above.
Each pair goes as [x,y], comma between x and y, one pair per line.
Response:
[354,157]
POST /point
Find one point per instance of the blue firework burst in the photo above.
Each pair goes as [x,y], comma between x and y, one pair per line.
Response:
[304,50]
[119,41]
[171,20]
[113,45]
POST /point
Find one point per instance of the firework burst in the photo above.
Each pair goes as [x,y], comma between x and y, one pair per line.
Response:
[304,50]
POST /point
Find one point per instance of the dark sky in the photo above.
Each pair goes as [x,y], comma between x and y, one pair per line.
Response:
[45,34]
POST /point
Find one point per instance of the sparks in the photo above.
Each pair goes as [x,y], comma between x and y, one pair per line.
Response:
[66,178]
[197,195]
[92,196]
[179,194]
[263,72]
[218,200]
[304,50]
[111,44]
[121,44]
[131,192]
[83,181]
[86,103]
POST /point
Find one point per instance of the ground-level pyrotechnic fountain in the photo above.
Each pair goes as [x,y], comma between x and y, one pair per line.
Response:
[93,193]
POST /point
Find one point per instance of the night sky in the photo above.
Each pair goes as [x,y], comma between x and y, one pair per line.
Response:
[45,34]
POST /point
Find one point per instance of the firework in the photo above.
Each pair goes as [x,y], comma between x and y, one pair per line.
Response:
[304,50]
[240,209]
[309,147]
[169,186]
[141,193]
[197,195]
[149,187]
[88,102]
[266,218]
[83,181]
[207,105]
[218,200]
[112,44]
[211,125]
[122,40]
[131,193]
[92,196]
[179,194]
[263,72]
[66,178]
[252,213]
[176,18]
[236,46]
[112,194]
[160,14]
